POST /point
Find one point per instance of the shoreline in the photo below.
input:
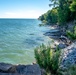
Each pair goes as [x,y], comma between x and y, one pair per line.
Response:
[57,36]
[34,69]
[6,69]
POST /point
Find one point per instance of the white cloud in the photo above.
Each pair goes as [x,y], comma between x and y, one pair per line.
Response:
[24,14]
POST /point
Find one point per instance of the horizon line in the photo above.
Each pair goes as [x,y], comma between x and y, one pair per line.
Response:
[18,18]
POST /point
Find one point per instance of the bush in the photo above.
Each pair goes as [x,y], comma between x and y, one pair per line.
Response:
[72,35]
[47,58]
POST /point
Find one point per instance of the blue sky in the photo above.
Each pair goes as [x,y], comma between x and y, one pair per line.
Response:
[23,8]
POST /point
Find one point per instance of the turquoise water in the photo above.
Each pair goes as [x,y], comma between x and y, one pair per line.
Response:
[18,38]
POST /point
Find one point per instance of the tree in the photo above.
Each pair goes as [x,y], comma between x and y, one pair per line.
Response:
[73,6]
[41,17]
[54,3]
[73,9]
[63,12]
[50,16]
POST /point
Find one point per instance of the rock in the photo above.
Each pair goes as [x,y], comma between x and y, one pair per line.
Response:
[61,46]
[29,69]
[7,68]
[43,72]
[10,74]
[68,56]
[41,24]
[65,40]
[12,69]
[31,34]
[53,32]
[54,37]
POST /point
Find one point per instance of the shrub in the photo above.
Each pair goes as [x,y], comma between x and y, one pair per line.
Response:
[72,35]
[47,58]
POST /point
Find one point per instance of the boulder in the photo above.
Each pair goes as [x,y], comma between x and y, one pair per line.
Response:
[10,74]
[5,68]
[61,46]
[68,56]
[9,69]
[43,72]
[29,69]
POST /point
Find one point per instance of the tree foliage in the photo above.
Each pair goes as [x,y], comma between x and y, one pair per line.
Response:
[50,16]
[62,12]
[73,6]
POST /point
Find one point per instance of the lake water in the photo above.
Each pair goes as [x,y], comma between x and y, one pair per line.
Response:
[18,38]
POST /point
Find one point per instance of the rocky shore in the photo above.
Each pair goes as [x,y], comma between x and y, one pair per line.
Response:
[68,47]
[9,69]
[67,58]
[59,39]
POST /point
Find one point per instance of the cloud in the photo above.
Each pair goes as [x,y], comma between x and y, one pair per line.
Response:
[24,14]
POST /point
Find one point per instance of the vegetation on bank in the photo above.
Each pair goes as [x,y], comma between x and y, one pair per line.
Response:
[49,17]
[48,58]
[72,34]
[62,12]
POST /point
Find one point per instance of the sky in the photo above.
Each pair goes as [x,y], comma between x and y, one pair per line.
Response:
[23,8]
